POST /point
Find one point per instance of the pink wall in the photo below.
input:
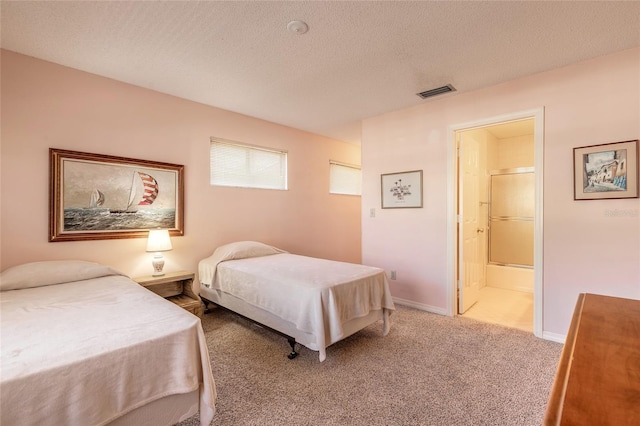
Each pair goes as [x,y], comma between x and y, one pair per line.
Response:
[46,105]
[589,246]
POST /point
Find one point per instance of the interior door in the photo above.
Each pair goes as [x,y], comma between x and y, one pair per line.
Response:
[470,254]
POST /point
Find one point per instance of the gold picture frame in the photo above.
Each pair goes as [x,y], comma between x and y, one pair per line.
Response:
[97,197]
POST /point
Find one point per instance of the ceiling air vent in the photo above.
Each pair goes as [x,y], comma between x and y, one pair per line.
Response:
[438,91]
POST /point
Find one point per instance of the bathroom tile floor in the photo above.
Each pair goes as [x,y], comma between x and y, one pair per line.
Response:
[505,307]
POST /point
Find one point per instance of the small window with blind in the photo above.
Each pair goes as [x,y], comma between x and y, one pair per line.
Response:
[344,179]
[247,166]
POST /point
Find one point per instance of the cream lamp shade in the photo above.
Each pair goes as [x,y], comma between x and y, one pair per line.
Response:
[158,242]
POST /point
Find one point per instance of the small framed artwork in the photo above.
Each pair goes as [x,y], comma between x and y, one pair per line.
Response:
[97,197]
[402,190]
[606,171]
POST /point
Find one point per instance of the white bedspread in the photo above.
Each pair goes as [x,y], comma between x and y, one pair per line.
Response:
[316,295]
[88,352]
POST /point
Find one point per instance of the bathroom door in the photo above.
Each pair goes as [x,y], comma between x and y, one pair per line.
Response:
[470,259]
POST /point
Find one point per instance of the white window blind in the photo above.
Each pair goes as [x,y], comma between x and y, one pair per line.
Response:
[235,164]
[345,179]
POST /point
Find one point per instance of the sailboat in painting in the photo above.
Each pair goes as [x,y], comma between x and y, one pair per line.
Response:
[97,199]
[151,189]
[149,194]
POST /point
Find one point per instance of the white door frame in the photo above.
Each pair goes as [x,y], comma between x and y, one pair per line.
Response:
[452,183]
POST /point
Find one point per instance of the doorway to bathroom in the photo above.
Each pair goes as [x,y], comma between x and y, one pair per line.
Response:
[498,221]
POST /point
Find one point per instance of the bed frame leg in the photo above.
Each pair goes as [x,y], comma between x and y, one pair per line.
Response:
[292,343]
[206,305]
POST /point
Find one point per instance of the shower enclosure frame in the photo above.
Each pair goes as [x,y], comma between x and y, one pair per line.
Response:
[491,218]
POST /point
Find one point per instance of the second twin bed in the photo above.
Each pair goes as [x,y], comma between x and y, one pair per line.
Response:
[314,302]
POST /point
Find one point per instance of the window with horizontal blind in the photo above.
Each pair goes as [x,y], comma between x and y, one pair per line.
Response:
[236,164]
[344,179]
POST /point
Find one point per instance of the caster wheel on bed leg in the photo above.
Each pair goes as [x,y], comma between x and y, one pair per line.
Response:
[292,343]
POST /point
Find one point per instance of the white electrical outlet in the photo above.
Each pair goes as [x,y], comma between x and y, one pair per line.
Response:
[372,212]
[393,275]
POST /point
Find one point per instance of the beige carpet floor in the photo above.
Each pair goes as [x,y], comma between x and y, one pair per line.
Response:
[429,370]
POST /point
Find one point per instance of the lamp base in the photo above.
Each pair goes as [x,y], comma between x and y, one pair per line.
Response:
[158,264]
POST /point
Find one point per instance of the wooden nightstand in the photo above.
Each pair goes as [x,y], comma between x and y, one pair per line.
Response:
[175,287]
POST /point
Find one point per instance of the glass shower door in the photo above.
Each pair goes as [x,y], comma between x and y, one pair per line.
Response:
[511,216]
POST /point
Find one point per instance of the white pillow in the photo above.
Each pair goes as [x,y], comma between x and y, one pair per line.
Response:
[244,249]
[37,274]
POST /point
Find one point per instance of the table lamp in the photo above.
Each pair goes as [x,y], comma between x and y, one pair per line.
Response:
[158,242]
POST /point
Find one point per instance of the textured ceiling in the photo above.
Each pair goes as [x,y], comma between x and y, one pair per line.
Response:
[358,59]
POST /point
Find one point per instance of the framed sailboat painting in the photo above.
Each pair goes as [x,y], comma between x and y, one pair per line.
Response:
[96,197]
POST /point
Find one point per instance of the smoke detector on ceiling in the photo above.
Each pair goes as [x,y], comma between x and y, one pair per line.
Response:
[437,91]
[298,27]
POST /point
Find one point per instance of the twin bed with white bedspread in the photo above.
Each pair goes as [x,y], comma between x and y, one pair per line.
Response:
[315,301]
[84,345]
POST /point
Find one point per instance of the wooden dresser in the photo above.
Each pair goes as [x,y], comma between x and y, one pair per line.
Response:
[598,377]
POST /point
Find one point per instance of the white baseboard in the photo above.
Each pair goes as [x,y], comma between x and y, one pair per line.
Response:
[428,308]
[554,337]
